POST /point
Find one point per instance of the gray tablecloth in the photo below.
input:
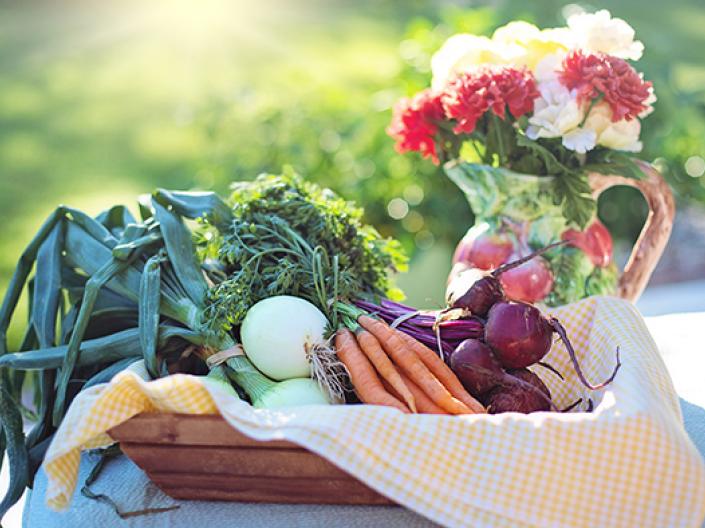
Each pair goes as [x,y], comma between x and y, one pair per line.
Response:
[680,339]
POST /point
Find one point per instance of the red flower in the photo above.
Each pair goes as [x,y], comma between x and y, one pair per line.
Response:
[595,74]
[471,94]
[415,124]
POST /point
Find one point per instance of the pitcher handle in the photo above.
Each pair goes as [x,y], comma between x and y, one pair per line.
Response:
[654,235]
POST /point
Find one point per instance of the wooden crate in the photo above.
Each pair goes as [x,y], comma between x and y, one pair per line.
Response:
[204,458]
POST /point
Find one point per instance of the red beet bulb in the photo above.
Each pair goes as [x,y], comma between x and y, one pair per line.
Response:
[476,367]
[475,290]
[518,333]
[527,397]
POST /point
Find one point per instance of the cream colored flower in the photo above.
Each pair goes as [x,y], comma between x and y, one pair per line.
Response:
[463,52]
[527,45]
[622,135]
[580,140]
[556,112]
[599,32]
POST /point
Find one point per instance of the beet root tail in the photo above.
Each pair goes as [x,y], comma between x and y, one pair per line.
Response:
[560,330]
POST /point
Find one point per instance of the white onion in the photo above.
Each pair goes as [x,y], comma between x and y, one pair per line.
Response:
[292,393]
[278,331]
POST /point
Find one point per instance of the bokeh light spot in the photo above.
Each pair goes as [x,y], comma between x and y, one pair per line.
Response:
[397,208]
[695,166]
[424,239]
[413,222]
[413,194]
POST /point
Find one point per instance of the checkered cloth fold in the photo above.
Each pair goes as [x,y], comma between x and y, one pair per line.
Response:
[627,464]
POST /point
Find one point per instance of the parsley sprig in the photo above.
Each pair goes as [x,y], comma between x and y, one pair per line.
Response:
[292,237]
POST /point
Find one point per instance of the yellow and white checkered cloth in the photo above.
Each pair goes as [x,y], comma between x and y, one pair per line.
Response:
[627,464]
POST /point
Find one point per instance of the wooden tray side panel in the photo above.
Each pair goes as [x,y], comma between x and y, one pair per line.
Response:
[203,458]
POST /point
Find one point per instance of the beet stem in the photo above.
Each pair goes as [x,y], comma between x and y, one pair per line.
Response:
[560,330]
[399,320]
[553,369]
[572,405]
[516,263]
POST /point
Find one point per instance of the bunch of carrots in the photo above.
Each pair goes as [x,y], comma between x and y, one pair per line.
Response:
[389,367]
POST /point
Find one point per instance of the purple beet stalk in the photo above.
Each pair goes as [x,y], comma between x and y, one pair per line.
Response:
[422,325]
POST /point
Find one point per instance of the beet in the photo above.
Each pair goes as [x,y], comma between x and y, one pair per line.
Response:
[518,334]
[476,367]
[530,377]
[475,290]
[524,396]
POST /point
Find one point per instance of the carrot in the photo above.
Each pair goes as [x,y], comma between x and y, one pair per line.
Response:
[442,371]
[385,368]
[364,378]
[413,366]
[423,402]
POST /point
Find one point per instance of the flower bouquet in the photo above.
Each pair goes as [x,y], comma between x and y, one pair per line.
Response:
[528,123]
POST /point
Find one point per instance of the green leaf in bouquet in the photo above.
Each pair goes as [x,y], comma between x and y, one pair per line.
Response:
[573,193]
[500,141]
[551,164]
[607,161]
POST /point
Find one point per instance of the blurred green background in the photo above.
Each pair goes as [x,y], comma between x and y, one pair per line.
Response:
[102,101]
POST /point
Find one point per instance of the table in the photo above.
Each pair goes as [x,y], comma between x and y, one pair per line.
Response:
[681,340]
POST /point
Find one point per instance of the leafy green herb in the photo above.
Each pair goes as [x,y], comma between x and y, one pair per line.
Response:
[291,237]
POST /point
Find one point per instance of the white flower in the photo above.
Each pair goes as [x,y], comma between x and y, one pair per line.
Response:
[580,140]
[622,135]
[463,52]
[556,112]
[599,32]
